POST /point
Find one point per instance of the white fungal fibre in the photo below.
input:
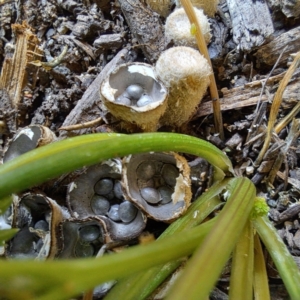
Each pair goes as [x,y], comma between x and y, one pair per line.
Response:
[180,63]
[178,28]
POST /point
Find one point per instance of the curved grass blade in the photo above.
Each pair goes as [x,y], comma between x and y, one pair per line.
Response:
[50,161]
[50,280]
[140,286]
[241,278]
[5,203]
[7,234]
[285,264]
[200,276]
[261,285]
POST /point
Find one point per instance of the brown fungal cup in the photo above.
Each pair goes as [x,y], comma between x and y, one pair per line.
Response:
[186,73]
[28,138]
[133,94]
[158,183]
[82,238]
[97,193]
[37,218]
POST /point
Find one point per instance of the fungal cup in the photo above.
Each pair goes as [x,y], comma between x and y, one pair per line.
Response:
[158,183]
[133,93]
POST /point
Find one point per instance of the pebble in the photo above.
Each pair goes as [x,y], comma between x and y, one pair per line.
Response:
[41,225]
[84,250]
[104,186]
[151,195]
[39,245]
[100,205]
[127,211]
[135,91]
[118,190]
[170,173]
[22,243]
[124,99]
[165,194]
[89,233]
[114,213]
[146,170]
[144,100]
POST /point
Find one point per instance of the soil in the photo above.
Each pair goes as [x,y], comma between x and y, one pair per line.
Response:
[66,49]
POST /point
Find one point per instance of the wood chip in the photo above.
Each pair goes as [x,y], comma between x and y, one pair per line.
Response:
[289,213]
[14,76]
[297,239]
[146,27]
[249,94]
[251,22]
[268,54]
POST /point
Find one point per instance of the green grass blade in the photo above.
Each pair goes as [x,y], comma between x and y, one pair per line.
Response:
[141,285]
[261,285]
[7,234]
[64,279]
[5,203]
[204,268]
[282,258]
[199,209]
[241,278]
[42,164]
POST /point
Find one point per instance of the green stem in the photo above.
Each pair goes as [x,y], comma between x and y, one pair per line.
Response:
[282,258]
[42,164]
[140,286]
[261,285]
[241,279]
[7,234]
[5,203]
[50,280]
[204,268]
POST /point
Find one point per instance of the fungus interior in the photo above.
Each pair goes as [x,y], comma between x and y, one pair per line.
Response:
[139,75]
[158,211]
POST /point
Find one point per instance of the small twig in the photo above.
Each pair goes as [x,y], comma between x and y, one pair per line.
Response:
[189,10]
[255,138]
[293,134]
[276,105]
[266,80]
[81,126]
[53,63]
[283,123]
[259,116]
[259,110]
[288,118]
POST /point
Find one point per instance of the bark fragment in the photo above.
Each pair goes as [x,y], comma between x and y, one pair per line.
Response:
[269,53]
[251,22]
[14,75]
[146,26]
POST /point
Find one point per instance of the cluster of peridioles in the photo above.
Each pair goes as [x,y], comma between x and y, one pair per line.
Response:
[135,95]
[106,202]
[106,205]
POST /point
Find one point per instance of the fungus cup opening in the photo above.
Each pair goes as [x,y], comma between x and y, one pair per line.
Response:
[145,114]
[28,138]
[181,196]
[73,243]
[80,197]
[137,73]
[29,210]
